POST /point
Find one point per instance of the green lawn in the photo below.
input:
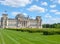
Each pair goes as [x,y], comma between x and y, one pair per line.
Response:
[17,37]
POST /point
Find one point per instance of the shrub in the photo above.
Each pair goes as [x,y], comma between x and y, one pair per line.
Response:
[51,32]
[48,33]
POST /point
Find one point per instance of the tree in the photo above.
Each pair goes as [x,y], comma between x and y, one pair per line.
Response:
[55,25]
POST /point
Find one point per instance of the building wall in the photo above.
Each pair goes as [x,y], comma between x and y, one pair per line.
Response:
[21,22]
[12,23]
[33,24]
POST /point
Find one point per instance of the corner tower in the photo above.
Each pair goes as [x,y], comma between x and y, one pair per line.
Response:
[4,20]
[39,21]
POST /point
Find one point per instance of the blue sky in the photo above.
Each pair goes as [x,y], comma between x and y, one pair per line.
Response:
[49,10]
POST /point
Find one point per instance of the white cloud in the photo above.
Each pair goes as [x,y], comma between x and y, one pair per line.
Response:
[51,0]
[53,10]
[16,3]
[56,1]
[52,20]
[0,16]
[44,3]
[25,14]
[36,8]
[59,1]
[48,16]
[56,20]
[52,6]
[36,0]
[15,13]
[32,17]
[57,13]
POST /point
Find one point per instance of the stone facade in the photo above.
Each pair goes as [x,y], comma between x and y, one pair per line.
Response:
[20,21]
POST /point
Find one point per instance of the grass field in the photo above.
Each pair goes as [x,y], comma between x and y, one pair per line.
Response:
[17,37]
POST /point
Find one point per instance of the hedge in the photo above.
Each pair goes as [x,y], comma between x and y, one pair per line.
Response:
[45,31]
